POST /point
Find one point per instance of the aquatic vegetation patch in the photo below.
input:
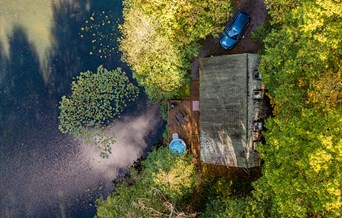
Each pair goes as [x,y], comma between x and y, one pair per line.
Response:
[100,30]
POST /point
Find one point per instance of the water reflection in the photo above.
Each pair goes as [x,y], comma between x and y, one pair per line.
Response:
[22,87]
[44,173]
[49,171]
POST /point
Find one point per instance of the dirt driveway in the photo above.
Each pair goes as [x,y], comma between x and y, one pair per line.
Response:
[211,46]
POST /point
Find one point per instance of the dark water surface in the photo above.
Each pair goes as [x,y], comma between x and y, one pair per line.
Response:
[42,172]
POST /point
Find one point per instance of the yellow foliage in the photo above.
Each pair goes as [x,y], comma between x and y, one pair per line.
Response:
[159,40]
[176,179]
[320,160]
[326,91]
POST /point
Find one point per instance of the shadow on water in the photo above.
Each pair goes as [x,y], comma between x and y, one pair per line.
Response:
[22,87]
[44,173]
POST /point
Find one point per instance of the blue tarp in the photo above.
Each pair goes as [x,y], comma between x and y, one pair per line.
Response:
[177,146]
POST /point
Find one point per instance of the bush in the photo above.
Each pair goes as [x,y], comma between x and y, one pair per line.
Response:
[164,110]
[261,32]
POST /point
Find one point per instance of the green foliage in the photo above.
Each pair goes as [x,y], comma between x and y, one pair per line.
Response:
[302,165]
[216,188]
[237,208]
[301,54]
[166,135]
[96,98]
[223,200]
[173,175]
[164,182]
[185,21]
[164,110]
[160,39]
[301,67]
[279,10]
[261,32]
[229,208]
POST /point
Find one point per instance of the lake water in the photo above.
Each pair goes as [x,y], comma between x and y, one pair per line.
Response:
[43,45]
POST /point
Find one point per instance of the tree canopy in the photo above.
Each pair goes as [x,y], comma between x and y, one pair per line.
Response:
[160,40]
[301,67]
[159,189]
[95,99]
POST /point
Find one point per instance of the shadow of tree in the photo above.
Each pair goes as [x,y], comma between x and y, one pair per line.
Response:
[22,86]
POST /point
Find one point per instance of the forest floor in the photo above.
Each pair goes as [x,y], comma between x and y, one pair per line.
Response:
[211,45]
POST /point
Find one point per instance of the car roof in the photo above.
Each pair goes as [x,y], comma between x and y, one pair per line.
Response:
[242,19]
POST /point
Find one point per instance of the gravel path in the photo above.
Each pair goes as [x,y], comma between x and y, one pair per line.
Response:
[211,46]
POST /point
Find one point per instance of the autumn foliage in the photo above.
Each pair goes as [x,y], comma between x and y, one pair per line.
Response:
[301,65]
[160,40]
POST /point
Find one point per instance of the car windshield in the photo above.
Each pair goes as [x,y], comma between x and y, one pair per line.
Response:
[232,33]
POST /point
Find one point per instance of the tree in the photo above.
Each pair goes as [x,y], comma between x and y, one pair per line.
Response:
[301,67]
[96,98]
[310,46]
[159,40]
[301,171]
[165,181]
[233,208]
[279,9]
[157,63]
[172,174]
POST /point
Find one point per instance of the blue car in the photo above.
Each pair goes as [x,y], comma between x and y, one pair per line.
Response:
[235,30]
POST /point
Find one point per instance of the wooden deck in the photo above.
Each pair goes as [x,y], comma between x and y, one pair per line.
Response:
[190,131]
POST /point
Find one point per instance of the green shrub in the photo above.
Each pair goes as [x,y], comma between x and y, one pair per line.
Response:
[166,135]
[261,32]
[164,110]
